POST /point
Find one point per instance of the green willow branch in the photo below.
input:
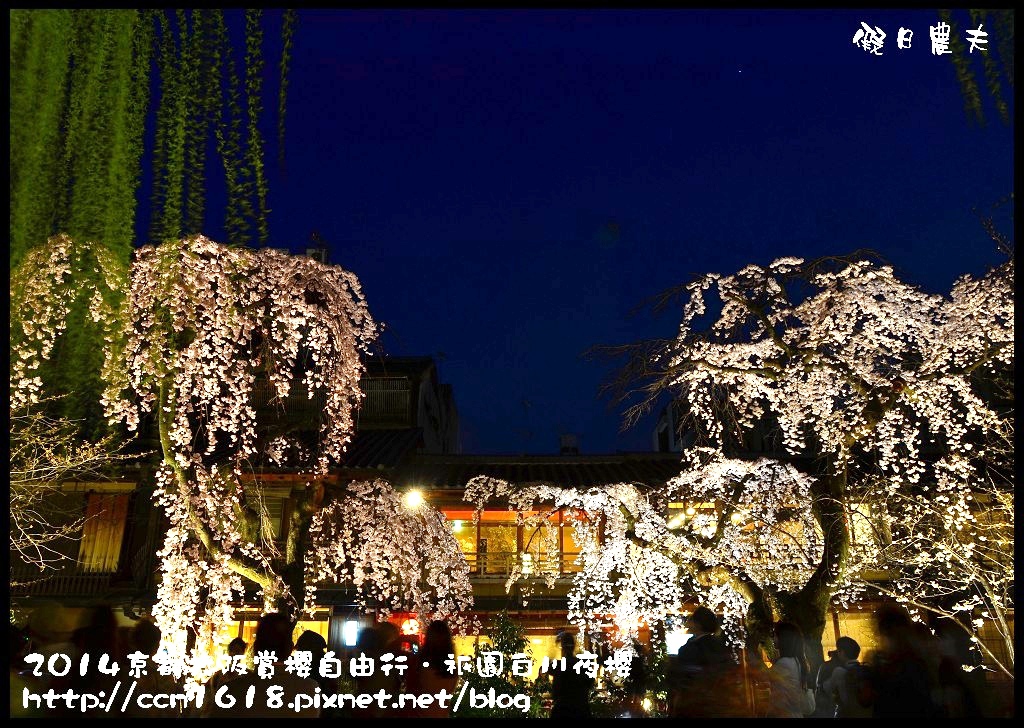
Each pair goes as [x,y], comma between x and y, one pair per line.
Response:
[254,89]
[287,32]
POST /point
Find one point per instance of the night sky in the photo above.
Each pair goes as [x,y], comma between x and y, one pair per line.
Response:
[510,185]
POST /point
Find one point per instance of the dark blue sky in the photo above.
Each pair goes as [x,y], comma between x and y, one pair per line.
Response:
[509,185]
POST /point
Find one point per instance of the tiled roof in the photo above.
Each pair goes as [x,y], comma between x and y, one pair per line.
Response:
[581,471]
[381,449]
[393,366]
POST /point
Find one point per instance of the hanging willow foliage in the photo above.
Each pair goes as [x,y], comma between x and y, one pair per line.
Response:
[202,88]
[129,121]
[80,85]
[80,90]
[40,65]
[86,150]
[239,213]
[253,88]
[1000,44]
[162,223]
[979,18]
[201,77]
[287,31]
[169,187]
[1004,30]
[77,121]
[208,95]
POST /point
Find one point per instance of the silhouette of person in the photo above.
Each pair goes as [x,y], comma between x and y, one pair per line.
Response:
[273,635]
[310,641]
[428,672]
[698,675]
[570,690]
[901,684]
[789,674]
[846,685]
[376,642]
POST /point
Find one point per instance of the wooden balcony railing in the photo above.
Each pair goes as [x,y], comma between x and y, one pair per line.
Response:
[70,581]
[501,563]
[73,579]
[498,565]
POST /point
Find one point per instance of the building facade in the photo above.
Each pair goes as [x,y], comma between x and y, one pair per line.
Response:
[407,433]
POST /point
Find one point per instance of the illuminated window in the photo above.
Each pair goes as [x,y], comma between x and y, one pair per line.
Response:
[570,549]
[497,547]
[540,543]
[105,516]
[495,544]
[464,530]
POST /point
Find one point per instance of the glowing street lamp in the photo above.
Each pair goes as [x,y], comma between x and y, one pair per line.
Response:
[413,499]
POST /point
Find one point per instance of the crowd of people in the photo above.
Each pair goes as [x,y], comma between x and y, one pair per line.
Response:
[915,671]
[49,633]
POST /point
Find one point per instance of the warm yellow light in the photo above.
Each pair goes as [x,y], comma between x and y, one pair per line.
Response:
[527,564]
[689,511]
[736,517]
[413,499]
[647,704]
[456,526]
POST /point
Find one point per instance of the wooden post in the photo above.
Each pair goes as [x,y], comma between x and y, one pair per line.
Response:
[748,687]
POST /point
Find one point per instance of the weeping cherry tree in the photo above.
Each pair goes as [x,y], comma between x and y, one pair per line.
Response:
[206,325]
[872,389]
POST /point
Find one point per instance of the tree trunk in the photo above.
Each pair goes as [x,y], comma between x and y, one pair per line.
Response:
[808,608]
[759,621]
[808,611]
[294,572]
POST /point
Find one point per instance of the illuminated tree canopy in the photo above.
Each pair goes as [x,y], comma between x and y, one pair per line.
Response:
[206,321]
[871,387]
[397,557]
[207,324]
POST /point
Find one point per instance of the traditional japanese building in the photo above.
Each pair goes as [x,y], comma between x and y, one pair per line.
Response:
[407,433]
